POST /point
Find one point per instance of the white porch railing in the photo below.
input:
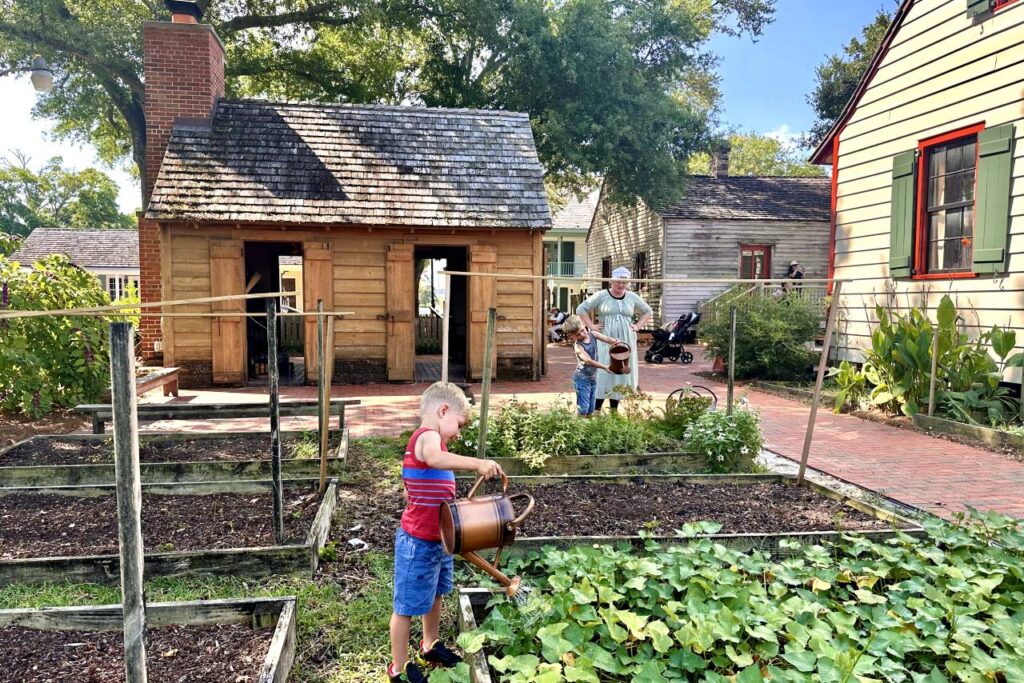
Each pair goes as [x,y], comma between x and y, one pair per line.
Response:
[567,269]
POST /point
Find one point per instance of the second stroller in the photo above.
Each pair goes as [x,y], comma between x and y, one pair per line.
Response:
[668,341]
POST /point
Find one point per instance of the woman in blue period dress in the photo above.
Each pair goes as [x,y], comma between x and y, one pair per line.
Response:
[615,308]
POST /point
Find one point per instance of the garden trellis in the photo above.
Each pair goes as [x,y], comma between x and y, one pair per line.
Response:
[836,290]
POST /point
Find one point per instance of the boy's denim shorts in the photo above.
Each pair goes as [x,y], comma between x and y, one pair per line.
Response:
[586,393]
[423,571]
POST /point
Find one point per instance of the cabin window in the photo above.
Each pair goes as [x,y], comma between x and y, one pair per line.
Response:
[288,285]
[999,4]
[755,261]
[947,176]
[640,269]
[606,271]
[117,285]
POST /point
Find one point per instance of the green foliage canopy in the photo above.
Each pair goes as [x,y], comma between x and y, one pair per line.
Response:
[759,155]
[52,196]
[617,88]
[839,75]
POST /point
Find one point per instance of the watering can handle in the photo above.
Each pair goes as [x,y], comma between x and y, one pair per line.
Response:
[480,480]
[526,513]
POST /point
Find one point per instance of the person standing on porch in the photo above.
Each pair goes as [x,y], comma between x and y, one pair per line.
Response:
[616,308]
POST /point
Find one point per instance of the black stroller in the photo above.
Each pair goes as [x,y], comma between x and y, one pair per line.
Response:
[668,341]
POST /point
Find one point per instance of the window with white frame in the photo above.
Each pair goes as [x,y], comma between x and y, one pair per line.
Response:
[117,285]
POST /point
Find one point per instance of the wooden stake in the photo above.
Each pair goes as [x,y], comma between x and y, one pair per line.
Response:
[275,421]
[732,359]
[327,377]
[323,414]
[129,499]
[485,399]
[935,367]
[832,314]
[445,323]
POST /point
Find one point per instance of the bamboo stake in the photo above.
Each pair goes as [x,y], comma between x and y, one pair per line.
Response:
[485,399]
[129,499]
[124,309]
[325,426]
[323,414]
[935,367]
[832,314]
[275,422]
[446,323]
[732,359]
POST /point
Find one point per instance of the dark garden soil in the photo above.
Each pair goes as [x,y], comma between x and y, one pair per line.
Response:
[101,451]
[587,509]
[14,428]
[211,654]
[42,525]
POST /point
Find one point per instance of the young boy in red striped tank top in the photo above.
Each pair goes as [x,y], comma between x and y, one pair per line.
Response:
[423,571]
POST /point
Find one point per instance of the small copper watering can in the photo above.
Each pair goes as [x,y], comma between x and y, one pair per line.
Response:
[619,354]
[479,522]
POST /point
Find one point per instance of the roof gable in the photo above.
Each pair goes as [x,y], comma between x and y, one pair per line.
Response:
[345,164]
[96,249]
[753,198]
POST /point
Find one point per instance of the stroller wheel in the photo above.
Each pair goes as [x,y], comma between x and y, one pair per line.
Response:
[687,357]
[658,358]
[648,356]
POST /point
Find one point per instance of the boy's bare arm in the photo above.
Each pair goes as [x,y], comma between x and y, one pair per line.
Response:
[605,338]
[587,360]
[430,452]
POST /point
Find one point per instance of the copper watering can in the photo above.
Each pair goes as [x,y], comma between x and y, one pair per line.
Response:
[479,522]
[619,354]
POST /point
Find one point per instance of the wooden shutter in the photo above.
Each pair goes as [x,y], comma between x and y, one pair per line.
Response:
[992,208]
[401,300]
[483,294]
[317,283]
[976,7]
[901,226]
[227,278]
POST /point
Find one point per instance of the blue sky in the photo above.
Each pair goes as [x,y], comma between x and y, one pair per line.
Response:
[765,84]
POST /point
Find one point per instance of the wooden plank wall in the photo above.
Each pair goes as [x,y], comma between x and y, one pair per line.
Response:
[620,232]
[359,271]
[943,72]
[712,250]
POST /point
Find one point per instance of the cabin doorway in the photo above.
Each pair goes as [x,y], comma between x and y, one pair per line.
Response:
[431,299]
[275,267]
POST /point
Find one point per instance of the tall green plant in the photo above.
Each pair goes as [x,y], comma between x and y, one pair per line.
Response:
[50,362]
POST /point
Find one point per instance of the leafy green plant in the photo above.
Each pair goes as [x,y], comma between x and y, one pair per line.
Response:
[773,334]
[9,243]
[942,608]
[728,443]
[51,362]
[851,385]
[307,447]
[682,412]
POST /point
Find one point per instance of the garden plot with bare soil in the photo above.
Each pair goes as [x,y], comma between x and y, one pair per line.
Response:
[50,525]
[212,653]
[156,449]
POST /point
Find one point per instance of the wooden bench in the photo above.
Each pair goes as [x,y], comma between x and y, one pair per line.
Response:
[162,377]
[149,412]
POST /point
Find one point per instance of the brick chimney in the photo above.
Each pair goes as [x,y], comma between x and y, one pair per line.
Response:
[184,78]
[720,160]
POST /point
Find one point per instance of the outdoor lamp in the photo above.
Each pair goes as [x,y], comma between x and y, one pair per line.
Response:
[42,77]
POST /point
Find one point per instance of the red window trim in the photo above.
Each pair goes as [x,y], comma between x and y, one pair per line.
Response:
[921,225]
[1002,4]
[833,212]
[766,249]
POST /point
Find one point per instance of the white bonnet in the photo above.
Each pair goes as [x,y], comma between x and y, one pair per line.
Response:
[621,273]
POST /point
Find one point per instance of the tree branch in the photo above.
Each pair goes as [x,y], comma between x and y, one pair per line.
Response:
[315,14]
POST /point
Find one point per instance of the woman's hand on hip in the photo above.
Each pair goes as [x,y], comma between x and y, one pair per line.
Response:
[598,327]
[635,327]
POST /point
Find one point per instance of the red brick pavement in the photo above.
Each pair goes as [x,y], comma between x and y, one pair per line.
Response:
[933,474]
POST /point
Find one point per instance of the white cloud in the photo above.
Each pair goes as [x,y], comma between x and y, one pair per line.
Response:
[19,131]
[790,139]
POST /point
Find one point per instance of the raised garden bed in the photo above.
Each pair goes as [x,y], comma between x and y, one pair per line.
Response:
[642,463]
[988,435]
[76,459]
[199,529]
[212,640]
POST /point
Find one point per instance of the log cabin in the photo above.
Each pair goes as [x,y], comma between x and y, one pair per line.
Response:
[363,195]
[928,177]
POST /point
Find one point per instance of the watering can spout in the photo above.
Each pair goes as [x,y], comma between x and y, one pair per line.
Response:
[511,585]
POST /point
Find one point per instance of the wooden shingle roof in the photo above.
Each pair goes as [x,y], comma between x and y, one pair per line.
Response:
[96,249]
[749,198]
[346,164]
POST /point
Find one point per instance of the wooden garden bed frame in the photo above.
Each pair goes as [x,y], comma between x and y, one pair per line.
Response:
[296,558]
[765,542]
[171,471]
[276,613]
[680,462]
[101,413]
[988,435]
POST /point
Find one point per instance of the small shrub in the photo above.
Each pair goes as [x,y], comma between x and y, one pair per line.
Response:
[308,447]
[772,334]
[850,383]
[728,443]
[681,413]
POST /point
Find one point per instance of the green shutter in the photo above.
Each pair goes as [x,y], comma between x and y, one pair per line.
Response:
[976,7]
[992,208]
[901,226]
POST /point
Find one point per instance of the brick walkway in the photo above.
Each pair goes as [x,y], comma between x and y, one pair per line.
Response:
[933,474]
